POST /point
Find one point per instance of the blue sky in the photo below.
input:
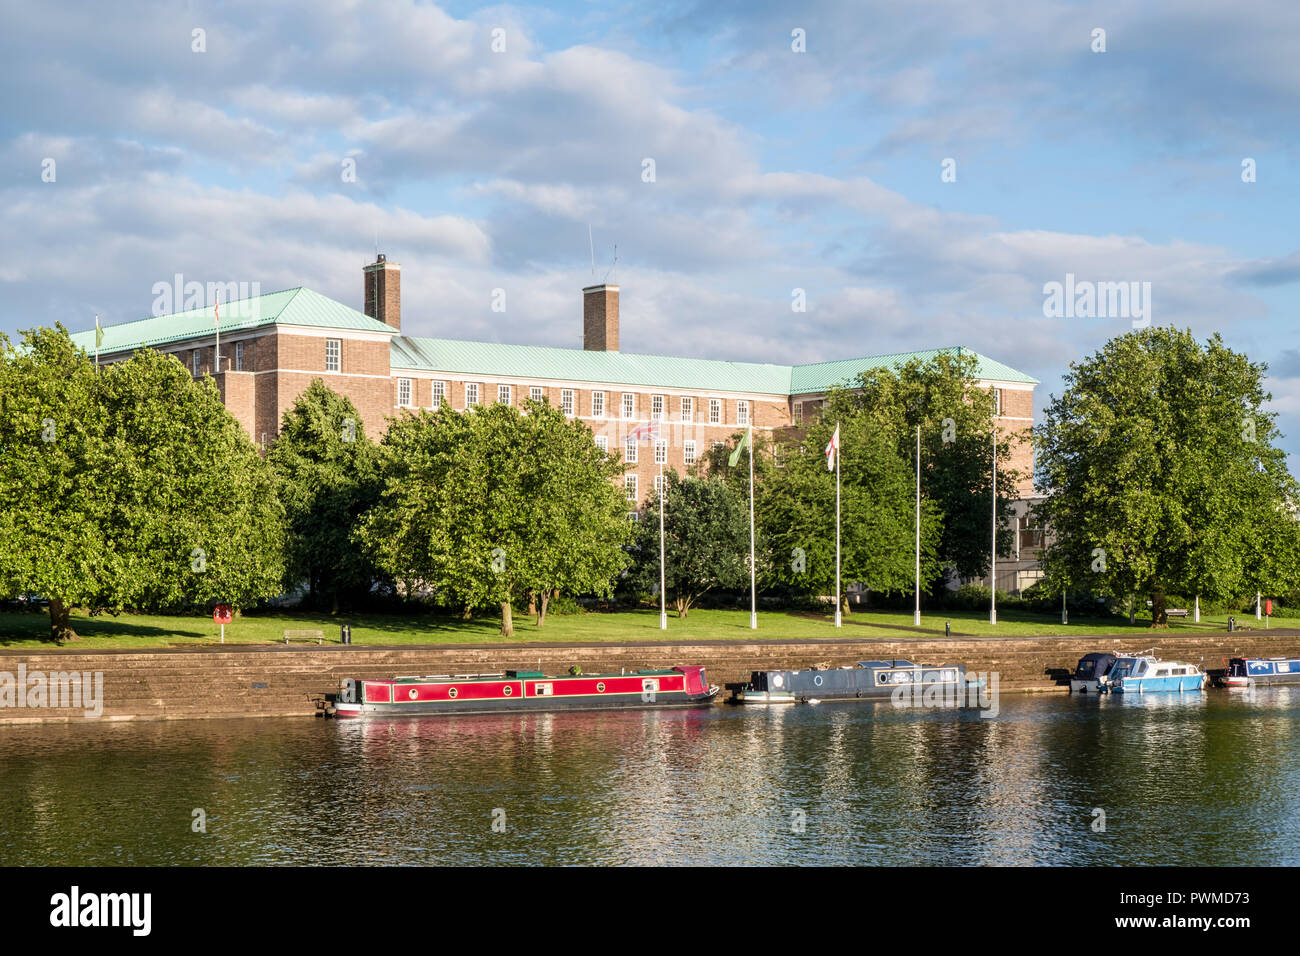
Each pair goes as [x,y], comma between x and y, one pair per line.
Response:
[775,169]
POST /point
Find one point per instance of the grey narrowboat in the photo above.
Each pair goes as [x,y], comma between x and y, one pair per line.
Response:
[868,680]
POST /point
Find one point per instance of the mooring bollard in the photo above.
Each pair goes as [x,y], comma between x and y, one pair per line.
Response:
[345,634]
[1232,624]
[947,628]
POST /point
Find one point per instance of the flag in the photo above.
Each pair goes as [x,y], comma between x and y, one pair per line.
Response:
[99,333]
[833,449]
[735,455]
[644,432]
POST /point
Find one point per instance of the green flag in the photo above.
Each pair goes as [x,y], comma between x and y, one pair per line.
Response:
[99,333]
[735,455]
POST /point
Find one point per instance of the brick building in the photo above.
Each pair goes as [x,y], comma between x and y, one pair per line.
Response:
[273,345]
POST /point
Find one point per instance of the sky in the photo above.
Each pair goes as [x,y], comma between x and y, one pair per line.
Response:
[920,170]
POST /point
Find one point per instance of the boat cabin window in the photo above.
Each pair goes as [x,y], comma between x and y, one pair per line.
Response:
[1287,667]
[543,690]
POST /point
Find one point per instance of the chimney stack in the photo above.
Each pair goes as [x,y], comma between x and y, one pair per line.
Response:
[600,318]
[384,291]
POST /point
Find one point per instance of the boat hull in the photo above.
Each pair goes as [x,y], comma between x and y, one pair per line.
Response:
[870,680]
[1159,685]
[523,692]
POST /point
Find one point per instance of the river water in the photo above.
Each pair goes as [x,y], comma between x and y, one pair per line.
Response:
[1211,778]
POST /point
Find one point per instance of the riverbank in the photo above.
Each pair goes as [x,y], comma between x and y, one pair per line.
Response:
[30,631]
[294,680]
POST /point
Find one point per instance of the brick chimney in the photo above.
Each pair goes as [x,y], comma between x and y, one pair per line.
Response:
[384,291]
[600,318]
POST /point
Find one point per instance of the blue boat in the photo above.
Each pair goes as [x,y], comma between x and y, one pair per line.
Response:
[1244,671]
[1142,674]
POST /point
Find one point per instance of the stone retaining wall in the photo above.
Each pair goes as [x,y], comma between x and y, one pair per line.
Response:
[275,680]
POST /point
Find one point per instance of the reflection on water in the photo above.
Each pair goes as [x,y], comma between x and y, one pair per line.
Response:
[1193,778]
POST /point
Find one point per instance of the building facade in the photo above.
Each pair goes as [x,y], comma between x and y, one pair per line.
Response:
[654,410]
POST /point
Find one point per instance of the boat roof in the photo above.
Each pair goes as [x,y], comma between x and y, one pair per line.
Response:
[885,664]
[514,675]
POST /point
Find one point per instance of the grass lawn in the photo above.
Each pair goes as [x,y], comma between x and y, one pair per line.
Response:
[27,631]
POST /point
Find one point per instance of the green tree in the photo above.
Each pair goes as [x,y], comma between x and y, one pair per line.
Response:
[877,509]
[1162,475]
[706,541]
[130,486]
[327,475]
[943,396]
[488,504]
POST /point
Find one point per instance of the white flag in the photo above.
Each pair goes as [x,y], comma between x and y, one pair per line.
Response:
[833,449]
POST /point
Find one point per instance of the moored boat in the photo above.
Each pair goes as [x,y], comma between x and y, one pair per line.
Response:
[1143,674]
[1090,669]
[1245,671]
[522,691]
[868,680]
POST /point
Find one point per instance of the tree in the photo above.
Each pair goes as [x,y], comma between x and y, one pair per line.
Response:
[1162,475]
[877,509]
[327,474]
[706,540]
[485,505]
[127,486]
[943,396]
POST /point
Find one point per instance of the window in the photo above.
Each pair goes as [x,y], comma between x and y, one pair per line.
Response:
[597,404]
[742,413]
[602,442]
[688,408]
[715,411]
[661,452]
[471,394]
[566,401]
[629,404]
[503,394]
[659,485]
[439,394]
[404,392]
[194,362]
[718,444]
[688,451]
[798,411]
[997,401]
[629,485]
[633,517]
[333,350]
[239,356]
[630,450]
[656,408]
[537,393]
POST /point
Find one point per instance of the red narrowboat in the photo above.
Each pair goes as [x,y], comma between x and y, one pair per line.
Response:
[522,690]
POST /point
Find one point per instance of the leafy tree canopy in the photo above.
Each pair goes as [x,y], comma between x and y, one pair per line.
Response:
[1162,474]
[127,486]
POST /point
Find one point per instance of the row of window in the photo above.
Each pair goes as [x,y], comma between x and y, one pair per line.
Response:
[568,401]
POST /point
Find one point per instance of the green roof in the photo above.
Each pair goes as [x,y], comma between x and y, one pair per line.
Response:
[578,365]
[823,376]
[291,307]
[304,307]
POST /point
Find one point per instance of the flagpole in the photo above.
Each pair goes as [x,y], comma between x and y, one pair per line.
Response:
[753,587]
[993,556]
[838,621]
[216,355]
[663,595]
[98,336]
[916,615]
